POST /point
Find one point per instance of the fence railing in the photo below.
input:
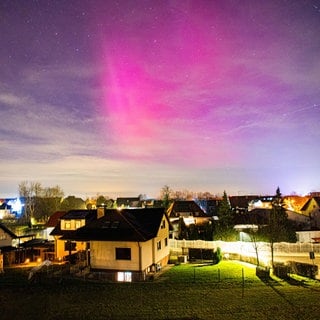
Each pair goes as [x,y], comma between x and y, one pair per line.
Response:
[241,247]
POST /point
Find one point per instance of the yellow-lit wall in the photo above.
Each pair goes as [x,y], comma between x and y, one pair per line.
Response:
[103,253]
[60,245]
[73,224]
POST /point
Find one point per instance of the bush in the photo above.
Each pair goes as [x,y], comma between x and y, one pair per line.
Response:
[281,271]
[217,256]
[263,272]
[304,269]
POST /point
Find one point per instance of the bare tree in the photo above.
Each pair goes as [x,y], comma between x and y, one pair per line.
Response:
[30,191]
[166,195]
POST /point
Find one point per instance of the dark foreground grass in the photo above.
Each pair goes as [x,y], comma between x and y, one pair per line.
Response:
[228,290]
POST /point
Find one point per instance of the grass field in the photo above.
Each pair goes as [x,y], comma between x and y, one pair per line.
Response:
[229,290]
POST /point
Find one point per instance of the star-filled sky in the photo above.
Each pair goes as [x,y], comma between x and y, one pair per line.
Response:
[123,97]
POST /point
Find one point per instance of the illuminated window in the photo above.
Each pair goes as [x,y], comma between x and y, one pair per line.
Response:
[67,225]
[78,224]
[124,276]
[159,245]
[123,253]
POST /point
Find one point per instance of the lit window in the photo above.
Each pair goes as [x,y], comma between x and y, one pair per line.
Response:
[123,253]
[78,224]
[124,276]
[68,225]
[159,245]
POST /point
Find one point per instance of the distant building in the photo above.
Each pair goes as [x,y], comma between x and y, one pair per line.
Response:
[189,212]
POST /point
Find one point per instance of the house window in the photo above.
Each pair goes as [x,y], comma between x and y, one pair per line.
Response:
[78,224]
[70,246]
[124,276]
[68,225]
[123,253]
[166,242]
[159,245]
[163,224]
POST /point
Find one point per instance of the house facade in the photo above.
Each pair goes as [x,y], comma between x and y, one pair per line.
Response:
[66,227]
[129,244]
[312,210]
[188,212]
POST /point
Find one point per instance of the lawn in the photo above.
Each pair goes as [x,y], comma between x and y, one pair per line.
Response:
[229,290]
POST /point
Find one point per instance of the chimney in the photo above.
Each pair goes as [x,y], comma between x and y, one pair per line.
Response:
[100,212]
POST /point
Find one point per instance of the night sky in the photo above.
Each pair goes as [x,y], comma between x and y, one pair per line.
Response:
[123,97]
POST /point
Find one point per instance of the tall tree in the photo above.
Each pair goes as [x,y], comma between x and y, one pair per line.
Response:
[30,191]
[279,228]
[165,196]
[39,202]
[49,202]
[224,227]
[72,203]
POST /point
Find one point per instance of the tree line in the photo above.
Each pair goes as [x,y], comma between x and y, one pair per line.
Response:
[41,202]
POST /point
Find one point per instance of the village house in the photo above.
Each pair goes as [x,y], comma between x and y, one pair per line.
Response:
[128,244]
[312,210]
[189,212]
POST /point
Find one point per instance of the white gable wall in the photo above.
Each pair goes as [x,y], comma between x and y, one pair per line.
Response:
[143,254]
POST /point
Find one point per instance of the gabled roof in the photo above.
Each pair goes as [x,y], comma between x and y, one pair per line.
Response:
[39,243]
[8,231]
[80,214]
[295,202]
[54,219]
[181,208]
[122,225]
[5,206]
[256,216]
[241,201]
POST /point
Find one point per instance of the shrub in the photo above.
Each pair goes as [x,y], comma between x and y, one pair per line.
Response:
[281,270]
[217,256]
[303,269]
[263,272]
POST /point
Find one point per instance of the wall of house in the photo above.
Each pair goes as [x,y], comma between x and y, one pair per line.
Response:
[162,253]
[1,262]
[103,255]
[5,239]
[60,251]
